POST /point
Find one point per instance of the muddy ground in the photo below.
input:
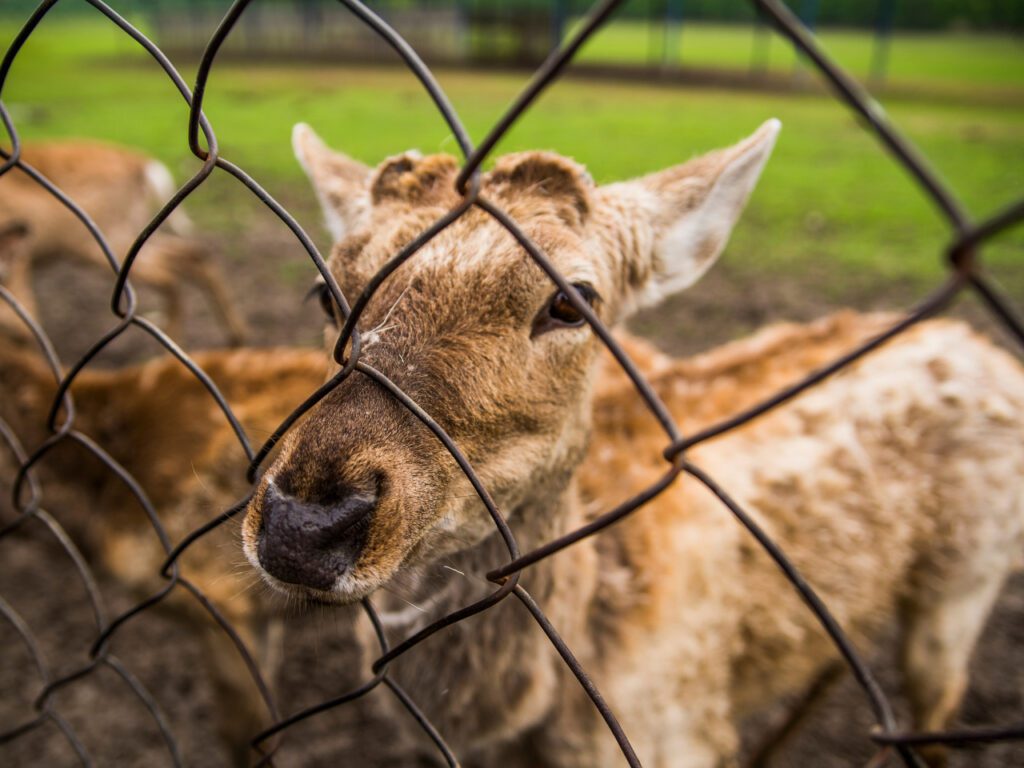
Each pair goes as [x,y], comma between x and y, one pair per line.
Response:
[269,276]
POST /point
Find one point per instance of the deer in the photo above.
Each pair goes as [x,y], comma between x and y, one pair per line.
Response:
[617,596]
[120,189]
[158,422]
[894,485]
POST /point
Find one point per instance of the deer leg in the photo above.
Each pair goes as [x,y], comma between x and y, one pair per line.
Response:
[937,648]
[187,259]
[155,267]
[16,276]
[174,325]
[209,278]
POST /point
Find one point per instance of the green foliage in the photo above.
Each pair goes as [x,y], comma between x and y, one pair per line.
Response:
[933,60]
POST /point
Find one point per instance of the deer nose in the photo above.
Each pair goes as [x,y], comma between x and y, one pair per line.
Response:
[311,544]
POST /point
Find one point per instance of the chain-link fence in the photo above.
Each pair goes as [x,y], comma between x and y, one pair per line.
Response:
[964,274]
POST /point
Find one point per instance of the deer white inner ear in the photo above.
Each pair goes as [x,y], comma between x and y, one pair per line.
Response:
[339,181]
[689,246]
[335,224]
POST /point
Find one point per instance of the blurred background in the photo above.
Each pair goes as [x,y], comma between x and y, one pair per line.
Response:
[834,221]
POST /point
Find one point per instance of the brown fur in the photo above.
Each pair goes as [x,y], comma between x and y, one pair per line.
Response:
[895,486]
[155,419]
[120,190]
[160,424]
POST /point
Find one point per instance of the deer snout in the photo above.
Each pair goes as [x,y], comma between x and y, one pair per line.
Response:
[311,544]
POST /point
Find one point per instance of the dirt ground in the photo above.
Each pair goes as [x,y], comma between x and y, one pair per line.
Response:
[269,276]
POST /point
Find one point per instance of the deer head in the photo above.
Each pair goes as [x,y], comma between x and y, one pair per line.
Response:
[482,340]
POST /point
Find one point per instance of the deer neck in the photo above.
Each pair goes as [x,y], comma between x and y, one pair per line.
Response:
[495,675]
[459,579]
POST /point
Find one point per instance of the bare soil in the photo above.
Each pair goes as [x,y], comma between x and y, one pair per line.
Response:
[269,275]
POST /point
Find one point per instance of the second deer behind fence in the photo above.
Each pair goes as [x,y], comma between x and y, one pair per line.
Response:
[120,189]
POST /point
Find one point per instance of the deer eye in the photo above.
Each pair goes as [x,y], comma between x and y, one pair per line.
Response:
[324,298]
[559,312]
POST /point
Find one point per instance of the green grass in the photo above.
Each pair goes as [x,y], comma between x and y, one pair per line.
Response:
[829,197]
[935,59]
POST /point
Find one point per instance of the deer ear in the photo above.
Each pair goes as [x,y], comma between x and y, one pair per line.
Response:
[410,178]
[562,183]
[341,183]
[670,226]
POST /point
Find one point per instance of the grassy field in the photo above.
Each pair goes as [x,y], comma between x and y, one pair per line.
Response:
[940,59]
[830,203]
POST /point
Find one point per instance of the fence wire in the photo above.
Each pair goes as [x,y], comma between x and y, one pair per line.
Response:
[965,274]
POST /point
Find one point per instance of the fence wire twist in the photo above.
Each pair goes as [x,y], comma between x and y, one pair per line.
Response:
[964,274]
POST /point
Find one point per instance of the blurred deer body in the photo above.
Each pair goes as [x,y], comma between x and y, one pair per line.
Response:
[895,486]
[160,424]
[120,190]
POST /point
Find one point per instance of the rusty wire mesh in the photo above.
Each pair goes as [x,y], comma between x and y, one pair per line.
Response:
[966,235]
